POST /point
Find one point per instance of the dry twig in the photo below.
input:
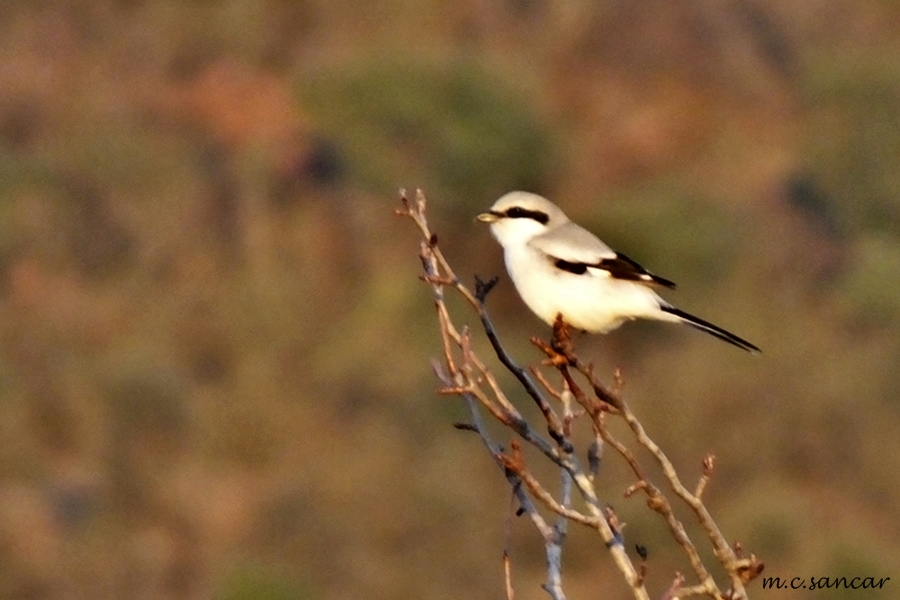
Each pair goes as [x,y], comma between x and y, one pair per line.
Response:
[464,374]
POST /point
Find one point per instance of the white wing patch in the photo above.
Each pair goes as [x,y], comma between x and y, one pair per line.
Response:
[598,272]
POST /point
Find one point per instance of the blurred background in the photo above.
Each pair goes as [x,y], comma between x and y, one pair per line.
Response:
[214,370]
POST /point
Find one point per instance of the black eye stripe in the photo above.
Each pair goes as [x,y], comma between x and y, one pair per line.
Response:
[517,212]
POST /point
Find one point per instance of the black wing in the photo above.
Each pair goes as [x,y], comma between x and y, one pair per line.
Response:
[618,267]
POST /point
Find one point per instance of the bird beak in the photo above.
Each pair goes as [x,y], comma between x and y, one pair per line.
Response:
[487,217]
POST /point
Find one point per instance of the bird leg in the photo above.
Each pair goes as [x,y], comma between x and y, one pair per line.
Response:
[562,339]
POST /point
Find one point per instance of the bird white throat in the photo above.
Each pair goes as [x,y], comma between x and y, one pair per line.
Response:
[560,268]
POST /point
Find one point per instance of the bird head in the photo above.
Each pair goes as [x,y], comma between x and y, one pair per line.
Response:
[519,216]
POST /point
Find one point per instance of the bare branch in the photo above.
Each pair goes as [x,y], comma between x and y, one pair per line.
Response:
[538,491]
[507,570]
[463,373]
[737,571]
[709,462]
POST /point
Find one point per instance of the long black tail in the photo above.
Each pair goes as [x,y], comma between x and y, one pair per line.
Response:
[711,329]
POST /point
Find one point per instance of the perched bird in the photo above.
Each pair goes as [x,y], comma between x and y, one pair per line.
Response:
[560,268]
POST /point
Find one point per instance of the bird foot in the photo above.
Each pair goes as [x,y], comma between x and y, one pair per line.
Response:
[562,339]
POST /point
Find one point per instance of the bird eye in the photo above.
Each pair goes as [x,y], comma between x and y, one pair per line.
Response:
[516,213]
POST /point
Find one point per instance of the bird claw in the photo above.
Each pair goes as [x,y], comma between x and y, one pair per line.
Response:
[562,340]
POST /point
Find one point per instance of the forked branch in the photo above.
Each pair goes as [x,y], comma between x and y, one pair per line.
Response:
[464,374]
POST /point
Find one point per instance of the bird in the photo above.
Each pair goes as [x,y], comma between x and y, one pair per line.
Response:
[561,269]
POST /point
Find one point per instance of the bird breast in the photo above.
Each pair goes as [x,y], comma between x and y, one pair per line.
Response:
[596,303]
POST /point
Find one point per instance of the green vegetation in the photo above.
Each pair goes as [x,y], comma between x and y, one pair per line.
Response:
[255,583]
[452,127]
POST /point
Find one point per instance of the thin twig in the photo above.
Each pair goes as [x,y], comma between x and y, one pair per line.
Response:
[739,570]
[464,374]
